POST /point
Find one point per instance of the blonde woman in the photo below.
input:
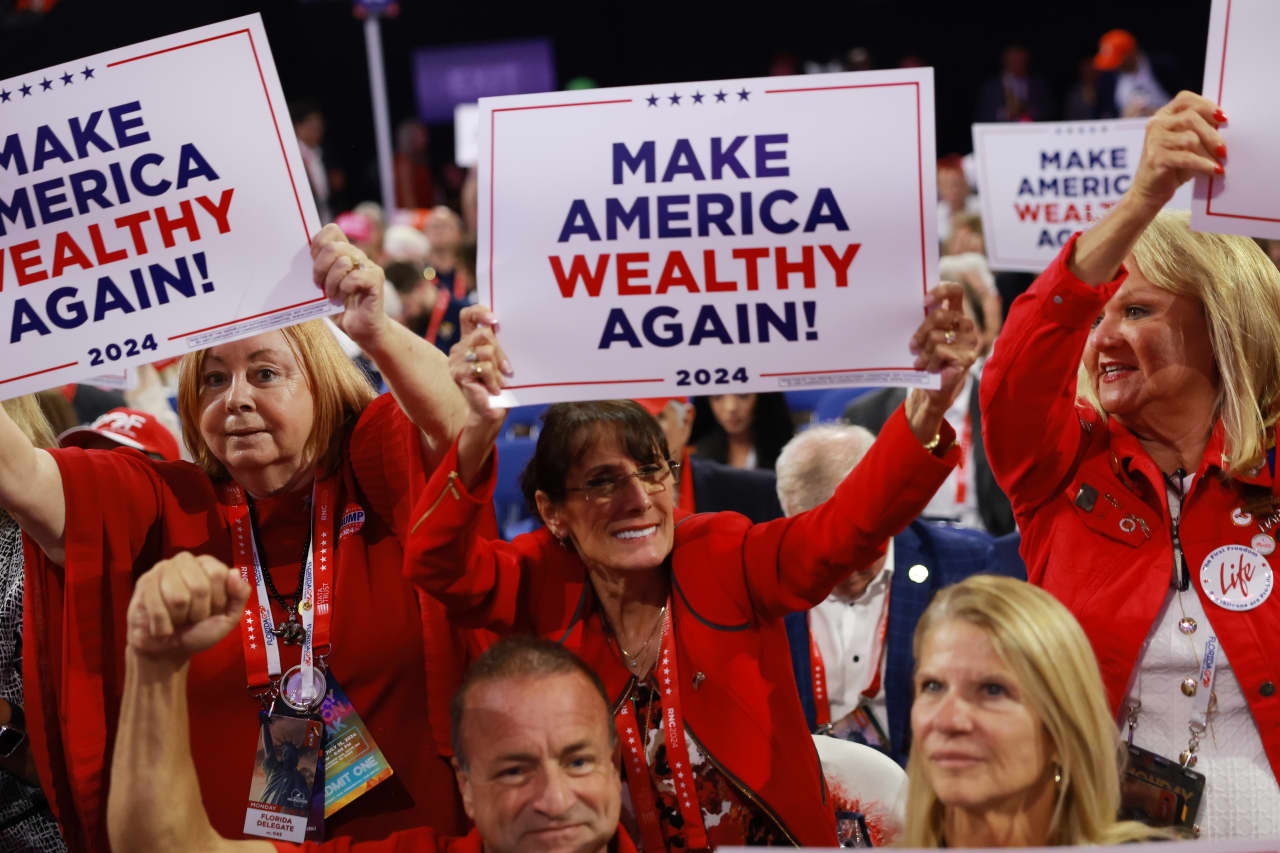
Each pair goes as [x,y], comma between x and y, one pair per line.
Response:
[1013,744]
[1129,413]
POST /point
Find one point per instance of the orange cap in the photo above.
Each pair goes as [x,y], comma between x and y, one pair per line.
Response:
[1114,48]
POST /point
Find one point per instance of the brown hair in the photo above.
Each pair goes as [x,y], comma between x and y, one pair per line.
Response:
[570,429]
[339,389]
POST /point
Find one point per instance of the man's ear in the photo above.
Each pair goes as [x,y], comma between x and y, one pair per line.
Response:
[464,786]
[551,514]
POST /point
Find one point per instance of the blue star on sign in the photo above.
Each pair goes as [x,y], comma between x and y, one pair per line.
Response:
[25,90]
[67,79]
[674,98]
[720,96]
[697,97]
[46,84]
[4,96]
[653,100]
[87,72]
[742,95]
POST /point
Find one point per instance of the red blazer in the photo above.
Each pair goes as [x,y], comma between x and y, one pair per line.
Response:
[731,584]
[1045,450]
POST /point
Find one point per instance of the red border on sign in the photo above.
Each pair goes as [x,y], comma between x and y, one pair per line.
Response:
[1222,73]
[38,372]
[919,187]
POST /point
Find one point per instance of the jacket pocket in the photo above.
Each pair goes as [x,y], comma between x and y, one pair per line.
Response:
[1112,512]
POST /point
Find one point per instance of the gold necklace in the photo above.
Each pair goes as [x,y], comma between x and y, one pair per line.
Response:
[631,658]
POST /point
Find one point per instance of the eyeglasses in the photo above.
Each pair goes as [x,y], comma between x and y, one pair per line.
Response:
[653,477]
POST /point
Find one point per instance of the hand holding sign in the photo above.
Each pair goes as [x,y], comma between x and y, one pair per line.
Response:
[946,343]
[347,276]
[478,365]
[1182,141]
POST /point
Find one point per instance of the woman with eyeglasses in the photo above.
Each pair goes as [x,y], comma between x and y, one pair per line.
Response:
[679,614]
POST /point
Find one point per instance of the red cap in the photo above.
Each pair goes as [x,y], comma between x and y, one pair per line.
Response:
[654,405]
[1114,48]
[130,428]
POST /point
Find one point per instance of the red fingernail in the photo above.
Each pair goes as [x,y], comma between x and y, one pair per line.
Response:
[1221,151]
[1217,167]
[1220,117]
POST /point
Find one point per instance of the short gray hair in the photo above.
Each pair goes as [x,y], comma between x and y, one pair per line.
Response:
[813,464]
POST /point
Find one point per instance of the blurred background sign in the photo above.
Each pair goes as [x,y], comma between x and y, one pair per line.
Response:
[444,77]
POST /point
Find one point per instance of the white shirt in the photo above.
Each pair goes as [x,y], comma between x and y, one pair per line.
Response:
[1241,797]
[846,634]
[1139,92]
[949,503]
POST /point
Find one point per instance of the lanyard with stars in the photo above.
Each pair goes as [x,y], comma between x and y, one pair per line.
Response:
[261,646]
[641,785]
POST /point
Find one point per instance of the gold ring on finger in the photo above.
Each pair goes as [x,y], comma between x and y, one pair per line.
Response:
[476,370]
[950,336]
[470,357]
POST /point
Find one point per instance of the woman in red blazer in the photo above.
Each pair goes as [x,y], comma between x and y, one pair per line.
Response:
[681,615]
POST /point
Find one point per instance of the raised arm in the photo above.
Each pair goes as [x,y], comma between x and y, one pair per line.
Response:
[1029,421]
[1182,141]
[416,372]
[181,607]
[31,488]
[793,563]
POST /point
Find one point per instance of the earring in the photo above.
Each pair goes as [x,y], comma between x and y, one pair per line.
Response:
[1057,775]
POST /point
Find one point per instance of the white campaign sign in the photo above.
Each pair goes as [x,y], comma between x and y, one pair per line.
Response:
[1240,70]
[1040,182]
[152,201]
[710,237]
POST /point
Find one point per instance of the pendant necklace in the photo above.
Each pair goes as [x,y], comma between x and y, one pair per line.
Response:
[290,632]
[633,658]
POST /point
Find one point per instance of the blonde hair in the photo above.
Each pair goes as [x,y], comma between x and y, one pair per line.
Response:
[1046,648]
[337,386]
[1239,289]
[29,417]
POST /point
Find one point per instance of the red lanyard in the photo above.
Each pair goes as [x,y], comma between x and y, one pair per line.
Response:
[261,649]
[821,700]
[641,783]
[437,314]
[962,477]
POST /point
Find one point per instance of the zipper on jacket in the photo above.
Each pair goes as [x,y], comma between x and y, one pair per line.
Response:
[733,780]
[449,487]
